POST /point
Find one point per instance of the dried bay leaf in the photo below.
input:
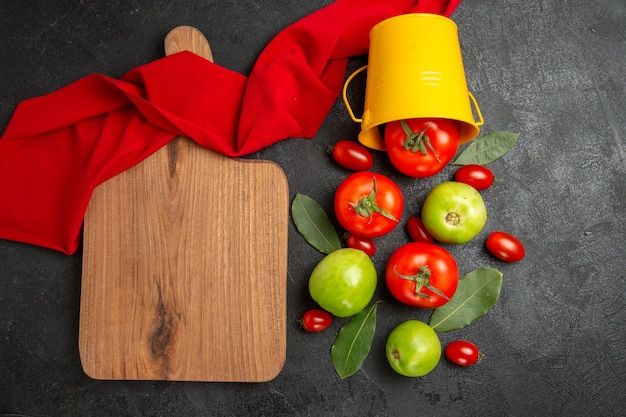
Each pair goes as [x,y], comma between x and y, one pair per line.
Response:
[314,225]
[476,294]
[487,148]
[354,341]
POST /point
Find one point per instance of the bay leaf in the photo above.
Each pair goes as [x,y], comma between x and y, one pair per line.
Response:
[314,225]
[487,148]
[475,296]
[354,341]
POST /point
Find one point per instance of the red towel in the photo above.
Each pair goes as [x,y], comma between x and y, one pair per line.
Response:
[57,148]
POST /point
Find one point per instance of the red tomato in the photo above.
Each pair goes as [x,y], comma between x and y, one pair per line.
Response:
[421,147]
[316,320]
[368,204]
[477,176]
[463,353]
[365,244]
[422,275]
[505,247]
[352,155]
[417,231]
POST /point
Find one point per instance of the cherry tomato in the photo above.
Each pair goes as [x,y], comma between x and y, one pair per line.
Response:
[365,244]
[352,155]
[316,320]
[505,247]
[422,275]
[417,231]
[421,147]
[463,353]
[477,176]
[368,204]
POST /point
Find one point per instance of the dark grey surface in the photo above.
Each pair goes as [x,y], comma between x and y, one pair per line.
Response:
[553,71]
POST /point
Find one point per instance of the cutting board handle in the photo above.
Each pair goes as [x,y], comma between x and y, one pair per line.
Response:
[187,38]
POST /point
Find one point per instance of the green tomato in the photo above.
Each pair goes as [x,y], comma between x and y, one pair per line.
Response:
[343,283]
[454,212]
[413,349]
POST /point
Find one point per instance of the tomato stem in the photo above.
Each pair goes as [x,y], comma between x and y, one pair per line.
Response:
[421,279]
[367,206]
[418,141]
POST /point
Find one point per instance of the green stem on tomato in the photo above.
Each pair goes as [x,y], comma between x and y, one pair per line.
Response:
[367,206]
[421,279]
[417,141]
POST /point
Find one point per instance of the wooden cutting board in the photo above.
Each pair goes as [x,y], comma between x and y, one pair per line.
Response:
[185,265]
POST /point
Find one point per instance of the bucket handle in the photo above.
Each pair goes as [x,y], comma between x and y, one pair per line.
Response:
[344,93]
[481,121]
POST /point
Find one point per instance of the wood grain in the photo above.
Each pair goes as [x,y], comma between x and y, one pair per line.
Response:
[184,265]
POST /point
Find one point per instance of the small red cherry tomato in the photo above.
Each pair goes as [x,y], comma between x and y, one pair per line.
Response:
[477,176]
[505,247]
[417,231]
[463,353]
[365,244]
[352,155]
[316,320]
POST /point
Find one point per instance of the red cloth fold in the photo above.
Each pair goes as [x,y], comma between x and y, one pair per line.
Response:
[57,148]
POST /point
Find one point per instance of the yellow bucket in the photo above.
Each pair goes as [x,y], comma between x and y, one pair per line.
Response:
[415,70]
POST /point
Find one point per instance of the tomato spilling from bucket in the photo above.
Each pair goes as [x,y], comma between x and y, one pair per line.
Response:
[421,148]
